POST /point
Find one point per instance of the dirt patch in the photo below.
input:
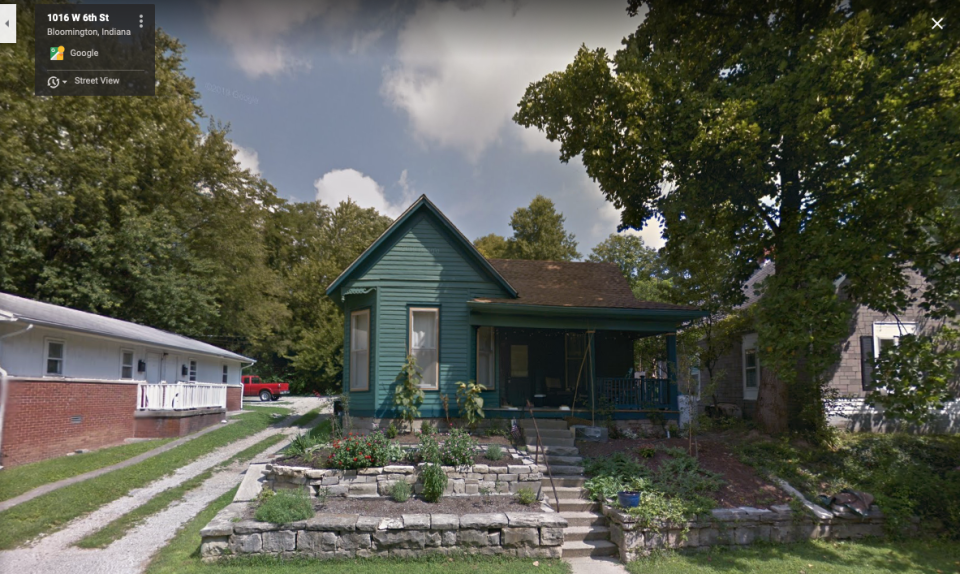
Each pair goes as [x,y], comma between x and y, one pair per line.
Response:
[744,487]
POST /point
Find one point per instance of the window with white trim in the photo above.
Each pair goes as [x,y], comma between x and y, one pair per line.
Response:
[193,371]
[126,364]
[226,374]
[360,350]
[425,344]
[486,359]
[885,335]
[53,359]
[751,368]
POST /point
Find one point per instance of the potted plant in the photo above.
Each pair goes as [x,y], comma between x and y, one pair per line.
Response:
[628,498]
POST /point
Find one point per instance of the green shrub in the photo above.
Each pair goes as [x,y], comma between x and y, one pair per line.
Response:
[301,445]
[526,496]
[647,452]
[494,452]
[470,402]
[285,507]
[394,453]
[407,395]
[392,431]
[359,451]
[427,428]
[458,449]
[434,482]
[400,491]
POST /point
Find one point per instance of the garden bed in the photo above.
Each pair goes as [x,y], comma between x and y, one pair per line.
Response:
[742,484]
[389,508]
[318,459]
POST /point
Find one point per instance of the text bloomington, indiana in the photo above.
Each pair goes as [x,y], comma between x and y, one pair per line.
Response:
[85,32]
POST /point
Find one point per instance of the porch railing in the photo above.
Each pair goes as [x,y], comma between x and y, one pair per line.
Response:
[180,396]
[629,393]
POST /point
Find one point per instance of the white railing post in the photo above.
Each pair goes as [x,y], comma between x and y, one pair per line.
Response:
[180,396]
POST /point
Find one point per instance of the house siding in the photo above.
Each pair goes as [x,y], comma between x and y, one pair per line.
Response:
[423,266]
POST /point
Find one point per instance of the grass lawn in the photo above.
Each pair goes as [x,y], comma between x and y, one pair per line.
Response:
[307,418]
[54,510]
[119,527]
[909,475]
[812,557]
[15,481]
[182,555]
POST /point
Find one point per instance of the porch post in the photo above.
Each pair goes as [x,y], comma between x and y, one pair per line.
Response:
[593,380]
[672,370]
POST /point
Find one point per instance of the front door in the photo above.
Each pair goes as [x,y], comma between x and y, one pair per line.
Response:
[515,371]
[153,368]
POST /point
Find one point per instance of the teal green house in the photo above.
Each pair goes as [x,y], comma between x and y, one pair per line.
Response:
[557,335]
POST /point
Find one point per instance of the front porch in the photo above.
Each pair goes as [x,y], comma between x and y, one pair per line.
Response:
[573,362]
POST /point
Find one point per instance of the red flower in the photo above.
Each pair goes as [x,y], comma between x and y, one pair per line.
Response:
[368,456]
[354,459]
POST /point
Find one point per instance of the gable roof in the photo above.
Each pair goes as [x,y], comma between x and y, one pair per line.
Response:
[422,204]
[48,315]
[570,284]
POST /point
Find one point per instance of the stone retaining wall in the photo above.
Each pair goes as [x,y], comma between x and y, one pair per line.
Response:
[740,526]
[354,536]
[377,481]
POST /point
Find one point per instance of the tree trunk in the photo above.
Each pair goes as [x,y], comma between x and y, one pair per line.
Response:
[772,401]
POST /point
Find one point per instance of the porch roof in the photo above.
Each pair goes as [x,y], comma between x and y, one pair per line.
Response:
[649,321]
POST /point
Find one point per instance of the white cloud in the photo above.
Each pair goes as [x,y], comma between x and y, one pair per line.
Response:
[248,158]
[363,41]
[257,31]
[340,184]
[461,69]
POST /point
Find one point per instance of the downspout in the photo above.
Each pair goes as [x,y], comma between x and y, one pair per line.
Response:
[4,383]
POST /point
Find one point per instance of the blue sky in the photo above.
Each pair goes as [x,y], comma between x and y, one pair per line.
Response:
[382,102]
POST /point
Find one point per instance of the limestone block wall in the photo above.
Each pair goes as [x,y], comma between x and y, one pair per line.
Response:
[377,481]
[739,526]
[524,534]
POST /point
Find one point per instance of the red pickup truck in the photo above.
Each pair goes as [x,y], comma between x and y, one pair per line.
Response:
[253,386]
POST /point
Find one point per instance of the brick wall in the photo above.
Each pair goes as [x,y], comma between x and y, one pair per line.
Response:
[38,424]
[234,398]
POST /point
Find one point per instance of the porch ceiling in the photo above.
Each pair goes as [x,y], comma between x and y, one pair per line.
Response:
[649,321]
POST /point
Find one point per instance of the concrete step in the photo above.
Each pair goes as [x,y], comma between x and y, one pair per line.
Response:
[562,470]
[578,548]
[549,433]
[576,505]
[580,533]
[565,492]
[569,460]
[543,424]
[584,518]
[559,481]
[558,450]
[549,441]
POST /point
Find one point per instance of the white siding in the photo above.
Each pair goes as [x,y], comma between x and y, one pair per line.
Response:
[92,357]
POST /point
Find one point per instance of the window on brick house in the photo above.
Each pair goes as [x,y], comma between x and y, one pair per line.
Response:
[751,368]
[54,359]
[126,364]
[885,335]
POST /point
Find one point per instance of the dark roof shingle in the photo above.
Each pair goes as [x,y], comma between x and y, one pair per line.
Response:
[569,284]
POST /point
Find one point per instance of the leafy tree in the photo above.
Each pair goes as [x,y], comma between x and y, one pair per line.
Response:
[492,246]
[918,375]
[636,261]
[821,134]
[538,233]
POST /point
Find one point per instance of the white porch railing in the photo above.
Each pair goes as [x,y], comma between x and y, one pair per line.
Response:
[180,396]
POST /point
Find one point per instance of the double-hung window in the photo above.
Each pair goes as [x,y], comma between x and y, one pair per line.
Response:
[193,371]
[226,374]
[885,335]
[486,366]
[425,344]
[360,350]
[54,357]
[126,364]
[751,368]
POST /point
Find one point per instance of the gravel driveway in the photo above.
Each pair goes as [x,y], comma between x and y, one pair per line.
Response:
[55,554]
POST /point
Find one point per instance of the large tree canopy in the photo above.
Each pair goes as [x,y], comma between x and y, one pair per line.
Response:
[820,133]
[538,233]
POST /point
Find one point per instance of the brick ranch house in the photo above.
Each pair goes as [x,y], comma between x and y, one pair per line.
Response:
[74,380]
[739,370]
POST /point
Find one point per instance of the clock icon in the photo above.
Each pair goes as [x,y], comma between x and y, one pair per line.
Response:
[53,82]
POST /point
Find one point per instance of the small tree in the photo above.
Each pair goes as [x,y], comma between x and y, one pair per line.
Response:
[470,402]
[917,375]
[407,395]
